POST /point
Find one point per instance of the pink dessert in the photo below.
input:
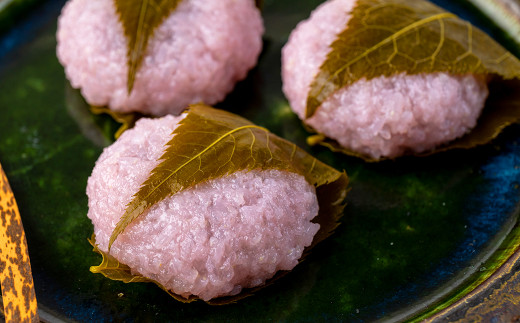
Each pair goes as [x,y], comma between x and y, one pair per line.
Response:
[384,116]
[210,240]
[196,55]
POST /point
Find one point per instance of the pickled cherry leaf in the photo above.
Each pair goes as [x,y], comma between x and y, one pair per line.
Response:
[111,268]
[211,143]
[140,18]
[388,37]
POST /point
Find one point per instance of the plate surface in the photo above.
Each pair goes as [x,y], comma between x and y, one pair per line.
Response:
[417,234]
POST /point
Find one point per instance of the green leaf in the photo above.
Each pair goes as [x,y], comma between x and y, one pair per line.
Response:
[140,18]
[388,37]
[211,143]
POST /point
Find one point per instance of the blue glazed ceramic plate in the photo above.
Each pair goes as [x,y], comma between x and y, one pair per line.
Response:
[421,237]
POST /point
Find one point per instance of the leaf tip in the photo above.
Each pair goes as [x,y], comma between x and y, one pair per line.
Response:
[113,237]
[311,107]
[117,230]
[130,82]
[132,212]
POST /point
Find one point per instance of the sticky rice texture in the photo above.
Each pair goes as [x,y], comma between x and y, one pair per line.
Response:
[196,55]
[210,240]
[384,116]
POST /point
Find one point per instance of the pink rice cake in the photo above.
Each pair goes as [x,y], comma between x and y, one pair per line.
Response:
[209,240]
[384,116]
[196,55]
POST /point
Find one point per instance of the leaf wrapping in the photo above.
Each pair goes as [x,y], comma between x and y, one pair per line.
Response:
[211,143]
[387,37]
[140,18]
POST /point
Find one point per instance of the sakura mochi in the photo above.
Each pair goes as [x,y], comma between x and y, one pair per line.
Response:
[210,240]
[383,116]
[197,54]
